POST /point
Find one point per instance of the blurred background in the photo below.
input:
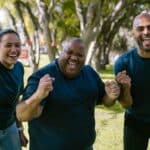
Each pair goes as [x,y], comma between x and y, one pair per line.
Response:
[104,25]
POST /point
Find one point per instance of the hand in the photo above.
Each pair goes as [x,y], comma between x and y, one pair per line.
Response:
[45,86]
[112,89]
[23,139]
[123,79]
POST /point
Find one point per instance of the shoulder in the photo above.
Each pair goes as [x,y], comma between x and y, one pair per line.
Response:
[127,54]
[90,71]
[124,60]
[19,64]
[19,67]
[47,69]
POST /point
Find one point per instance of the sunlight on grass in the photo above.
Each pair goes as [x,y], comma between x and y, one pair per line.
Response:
[108,73]
[109,130]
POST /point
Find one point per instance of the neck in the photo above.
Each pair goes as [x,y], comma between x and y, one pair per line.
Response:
[7,66]
[144,54]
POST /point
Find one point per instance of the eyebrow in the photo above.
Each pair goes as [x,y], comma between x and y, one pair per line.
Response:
[10,42]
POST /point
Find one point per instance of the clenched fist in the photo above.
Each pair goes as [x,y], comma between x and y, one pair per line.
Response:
[45,86]
[112,89]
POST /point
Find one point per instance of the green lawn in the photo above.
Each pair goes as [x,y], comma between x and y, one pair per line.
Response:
[109,121]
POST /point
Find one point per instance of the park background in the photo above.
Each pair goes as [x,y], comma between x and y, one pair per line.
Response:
[104,26]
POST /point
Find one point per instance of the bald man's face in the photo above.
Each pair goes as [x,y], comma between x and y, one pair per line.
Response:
[141,32]
[72,59]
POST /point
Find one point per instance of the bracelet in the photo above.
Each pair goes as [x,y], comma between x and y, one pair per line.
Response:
[20,129]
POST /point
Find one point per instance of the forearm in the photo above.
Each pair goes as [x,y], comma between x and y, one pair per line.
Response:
[107,101]
[125,98]
[112,91]
[29,109]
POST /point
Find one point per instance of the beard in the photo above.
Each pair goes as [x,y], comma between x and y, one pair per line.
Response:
[140,44]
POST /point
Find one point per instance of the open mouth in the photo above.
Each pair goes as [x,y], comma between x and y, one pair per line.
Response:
[72,65]
[13,57]
[146,41]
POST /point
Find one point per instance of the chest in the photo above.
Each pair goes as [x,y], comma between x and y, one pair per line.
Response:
[139,72]
[11,85]
[74,91]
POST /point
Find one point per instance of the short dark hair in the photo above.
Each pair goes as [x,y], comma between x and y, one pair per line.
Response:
[7,31]
[70,40]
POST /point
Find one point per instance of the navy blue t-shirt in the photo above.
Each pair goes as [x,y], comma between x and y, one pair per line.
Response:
[138,68]
[11,86]
[67,121]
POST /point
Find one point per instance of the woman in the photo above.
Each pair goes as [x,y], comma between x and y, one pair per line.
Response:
[11,86]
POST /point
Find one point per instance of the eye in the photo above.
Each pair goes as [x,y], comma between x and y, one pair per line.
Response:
[148,28]
[18,45]
[8,45]
[69,52]
[139,28]
[80,55]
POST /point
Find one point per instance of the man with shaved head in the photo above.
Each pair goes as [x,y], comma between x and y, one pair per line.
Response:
[132,71]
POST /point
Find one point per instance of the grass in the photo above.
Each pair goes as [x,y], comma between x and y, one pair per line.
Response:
[109,121]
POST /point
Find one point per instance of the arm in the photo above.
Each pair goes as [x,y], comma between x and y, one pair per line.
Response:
[125,97]
[112,92]
[31,108]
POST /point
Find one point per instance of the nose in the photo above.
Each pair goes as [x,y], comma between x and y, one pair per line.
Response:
[74,57]
[15,49]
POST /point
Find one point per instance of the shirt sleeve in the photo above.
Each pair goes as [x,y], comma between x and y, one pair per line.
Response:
[101,93]
[120,65]
[100,86]
[32,85]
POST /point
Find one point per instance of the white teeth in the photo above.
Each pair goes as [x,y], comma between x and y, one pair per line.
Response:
[148,38]
[12,56]
[72,63]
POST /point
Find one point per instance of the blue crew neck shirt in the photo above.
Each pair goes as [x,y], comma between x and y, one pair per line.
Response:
[138,68]
[11,86]
[67,121]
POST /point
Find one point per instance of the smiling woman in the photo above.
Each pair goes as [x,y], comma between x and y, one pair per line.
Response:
[10,48]
[11,87]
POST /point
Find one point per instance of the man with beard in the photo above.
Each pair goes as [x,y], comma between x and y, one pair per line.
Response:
[132,71]
[63,119]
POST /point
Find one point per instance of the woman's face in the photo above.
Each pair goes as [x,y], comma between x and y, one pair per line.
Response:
[72,59]
[10,47]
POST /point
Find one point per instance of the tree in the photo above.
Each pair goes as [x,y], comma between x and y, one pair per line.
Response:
[95,21]
[99,29]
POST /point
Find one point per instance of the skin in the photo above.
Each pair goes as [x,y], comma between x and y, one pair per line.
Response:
[72,59]
[141,33]
[31,108]
[125,97]
[10,47]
